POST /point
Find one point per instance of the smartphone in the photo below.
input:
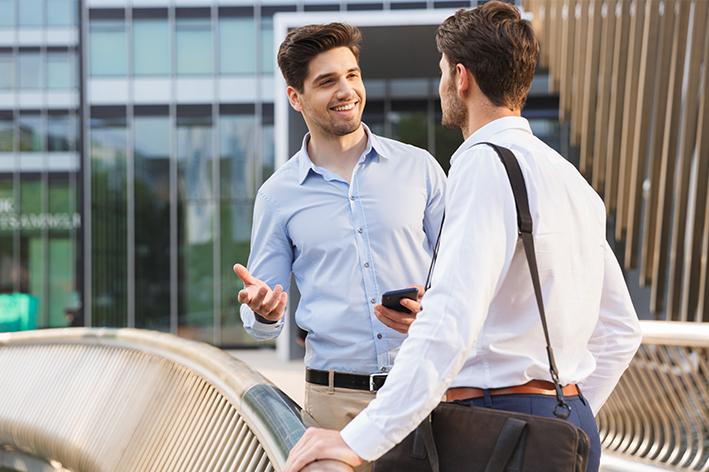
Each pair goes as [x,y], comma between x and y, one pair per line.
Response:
[391,299]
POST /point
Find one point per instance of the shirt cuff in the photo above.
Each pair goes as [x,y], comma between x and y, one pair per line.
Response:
[266,330]
[365,439]
[263,320]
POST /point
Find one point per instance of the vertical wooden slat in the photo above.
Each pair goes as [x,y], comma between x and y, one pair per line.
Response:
[535,7]
[545,52]
[666,35]
[615,108]
[568,8]
[555,28]
[637,14]
[677,309]
[605,69]
[697,205]
[590,87]
[640,135]
[579,75]
[669,157]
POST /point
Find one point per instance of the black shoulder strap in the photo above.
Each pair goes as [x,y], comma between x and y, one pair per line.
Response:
[525,225]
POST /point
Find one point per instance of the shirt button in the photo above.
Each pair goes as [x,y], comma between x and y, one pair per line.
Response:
[366,264]
[373,300]
[351,197]
[359,230]
[379,336]
[384,369]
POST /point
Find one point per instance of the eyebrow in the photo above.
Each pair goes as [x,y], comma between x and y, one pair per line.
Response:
[330,74]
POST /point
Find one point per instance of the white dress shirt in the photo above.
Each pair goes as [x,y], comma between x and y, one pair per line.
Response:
[480,326]
[346,244]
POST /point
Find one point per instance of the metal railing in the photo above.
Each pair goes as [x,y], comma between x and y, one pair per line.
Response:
[132,400]
[659,411]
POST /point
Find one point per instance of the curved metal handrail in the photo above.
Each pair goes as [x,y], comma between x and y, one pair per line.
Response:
[659,412]
[56,384]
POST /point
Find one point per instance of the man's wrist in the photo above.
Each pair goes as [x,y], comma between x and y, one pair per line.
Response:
[263,320]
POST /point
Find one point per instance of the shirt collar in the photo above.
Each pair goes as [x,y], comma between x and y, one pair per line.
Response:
[305,165]
[487,132]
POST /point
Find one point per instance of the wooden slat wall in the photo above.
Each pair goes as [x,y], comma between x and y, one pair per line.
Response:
[630,81]
[666,186]
[603,98]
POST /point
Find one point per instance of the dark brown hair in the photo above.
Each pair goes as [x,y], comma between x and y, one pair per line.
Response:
[497,46]
[304,43]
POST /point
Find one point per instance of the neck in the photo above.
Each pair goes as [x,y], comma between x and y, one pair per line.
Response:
[481,114]
[338,154]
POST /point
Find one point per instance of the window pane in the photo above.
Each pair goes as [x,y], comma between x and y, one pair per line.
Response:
[152,222]
[60,72]
[61,12]
[61,279]
[194,46]
[30,12]
[269,149]
[151,48]
[59,133]
[237,51]
[31,136]
[6,135]
[237,136]
[238,185]
[107,47]
[267,53]
[109,263]
[410,127]
[7,71]
[30,70]
[31,198]
[7,13]
[196,241]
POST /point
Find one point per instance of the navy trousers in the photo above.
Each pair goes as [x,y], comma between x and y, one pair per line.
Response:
[543,405]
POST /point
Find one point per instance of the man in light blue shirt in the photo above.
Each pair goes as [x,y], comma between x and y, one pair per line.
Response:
[352,215]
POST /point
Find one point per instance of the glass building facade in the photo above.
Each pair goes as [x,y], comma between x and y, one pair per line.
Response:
[134,135]
[40,149]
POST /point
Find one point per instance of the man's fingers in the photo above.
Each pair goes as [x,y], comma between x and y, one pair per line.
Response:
[327,465]
[270,303]
[318,445]
[281,303]
[393,319]
[412,305]
[244,274]
[421,290]
[258,297]
[244,296]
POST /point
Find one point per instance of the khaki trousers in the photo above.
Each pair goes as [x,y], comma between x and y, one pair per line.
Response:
[332,408]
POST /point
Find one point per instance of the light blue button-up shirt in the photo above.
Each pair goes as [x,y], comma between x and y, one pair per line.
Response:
[346,244]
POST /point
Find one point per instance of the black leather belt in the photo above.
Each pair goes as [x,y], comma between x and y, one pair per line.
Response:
[367,382]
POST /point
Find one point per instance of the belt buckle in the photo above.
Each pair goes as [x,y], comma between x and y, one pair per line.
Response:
[372,387]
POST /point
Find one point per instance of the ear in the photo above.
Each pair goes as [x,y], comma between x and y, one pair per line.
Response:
[463,79]
[294,98]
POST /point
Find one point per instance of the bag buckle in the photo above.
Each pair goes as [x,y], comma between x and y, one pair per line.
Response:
[376,381]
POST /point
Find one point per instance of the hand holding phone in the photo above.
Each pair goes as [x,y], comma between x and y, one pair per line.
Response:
[392,299]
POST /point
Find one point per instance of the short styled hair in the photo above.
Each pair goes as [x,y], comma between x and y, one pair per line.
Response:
[497,46]
[304,43]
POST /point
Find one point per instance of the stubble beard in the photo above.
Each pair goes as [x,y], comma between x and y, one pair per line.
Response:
[341,128]
[454,111]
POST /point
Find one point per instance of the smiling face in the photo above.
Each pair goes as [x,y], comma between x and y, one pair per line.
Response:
[333,96]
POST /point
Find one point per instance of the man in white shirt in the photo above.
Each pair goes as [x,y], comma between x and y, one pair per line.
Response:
[479,336]
[352,215]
